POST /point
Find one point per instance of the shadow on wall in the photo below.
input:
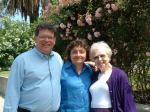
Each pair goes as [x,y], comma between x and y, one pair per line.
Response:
[3,83]
[143,108]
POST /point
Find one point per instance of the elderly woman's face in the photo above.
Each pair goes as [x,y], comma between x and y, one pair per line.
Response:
[101,59]
[78,55]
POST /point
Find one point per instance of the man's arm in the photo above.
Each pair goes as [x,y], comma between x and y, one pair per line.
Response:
[14,83]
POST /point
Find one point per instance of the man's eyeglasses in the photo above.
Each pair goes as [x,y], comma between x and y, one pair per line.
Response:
[44,37]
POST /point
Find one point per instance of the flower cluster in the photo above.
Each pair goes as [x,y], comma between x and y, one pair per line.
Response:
[63,3]
[67,28]
[98,12]
[147,54]
[111,7]
[86,21]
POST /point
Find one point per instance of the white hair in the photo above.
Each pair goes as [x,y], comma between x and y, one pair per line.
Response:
[100,45]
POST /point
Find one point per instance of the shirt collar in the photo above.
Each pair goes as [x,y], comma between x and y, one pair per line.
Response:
[41,54]
[68,64]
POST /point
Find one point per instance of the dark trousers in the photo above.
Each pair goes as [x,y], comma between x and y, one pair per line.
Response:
[22,110]
[25,110]
[101,110]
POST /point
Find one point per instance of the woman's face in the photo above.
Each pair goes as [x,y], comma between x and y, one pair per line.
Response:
[101,59]
[78,55]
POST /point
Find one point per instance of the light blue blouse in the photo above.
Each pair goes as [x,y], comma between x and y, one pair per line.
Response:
[75,88]
[34,82]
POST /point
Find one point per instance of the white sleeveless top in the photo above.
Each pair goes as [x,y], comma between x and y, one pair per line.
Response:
[100,92]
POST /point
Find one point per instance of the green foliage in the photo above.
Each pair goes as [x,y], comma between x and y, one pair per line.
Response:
[123,24]
[15,38]
[4,73]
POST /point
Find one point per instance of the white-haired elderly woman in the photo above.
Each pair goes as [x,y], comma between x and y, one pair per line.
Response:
[110,89]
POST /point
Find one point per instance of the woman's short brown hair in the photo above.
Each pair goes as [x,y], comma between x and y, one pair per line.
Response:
[76,43]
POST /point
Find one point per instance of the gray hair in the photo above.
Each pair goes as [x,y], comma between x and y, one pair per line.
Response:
[100,45]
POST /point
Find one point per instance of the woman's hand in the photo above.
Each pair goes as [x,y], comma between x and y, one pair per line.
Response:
[92,64]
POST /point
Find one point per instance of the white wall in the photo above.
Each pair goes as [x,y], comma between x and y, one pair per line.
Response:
[3,83]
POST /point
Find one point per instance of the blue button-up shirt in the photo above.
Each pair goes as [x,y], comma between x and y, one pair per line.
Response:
[34,82]
[75,88]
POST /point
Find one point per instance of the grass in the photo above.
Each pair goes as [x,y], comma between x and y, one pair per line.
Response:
[4,73]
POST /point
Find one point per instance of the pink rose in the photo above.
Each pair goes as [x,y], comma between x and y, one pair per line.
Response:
[72,18]
[89,36]
[80,23]
[109,11]
[114,7]
[108,6]
[62,26]
[88,18]
[147,54]
[97,34]
[98,14]
[98,9]
[69,25]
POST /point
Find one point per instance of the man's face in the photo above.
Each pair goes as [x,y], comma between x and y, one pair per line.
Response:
[45,41]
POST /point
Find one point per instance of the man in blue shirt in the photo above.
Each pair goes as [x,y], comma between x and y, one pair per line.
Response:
[34,80]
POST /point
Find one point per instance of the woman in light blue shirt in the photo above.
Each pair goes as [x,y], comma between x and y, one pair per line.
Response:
[76,79]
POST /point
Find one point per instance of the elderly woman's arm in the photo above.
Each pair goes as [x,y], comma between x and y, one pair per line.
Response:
[127,96]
